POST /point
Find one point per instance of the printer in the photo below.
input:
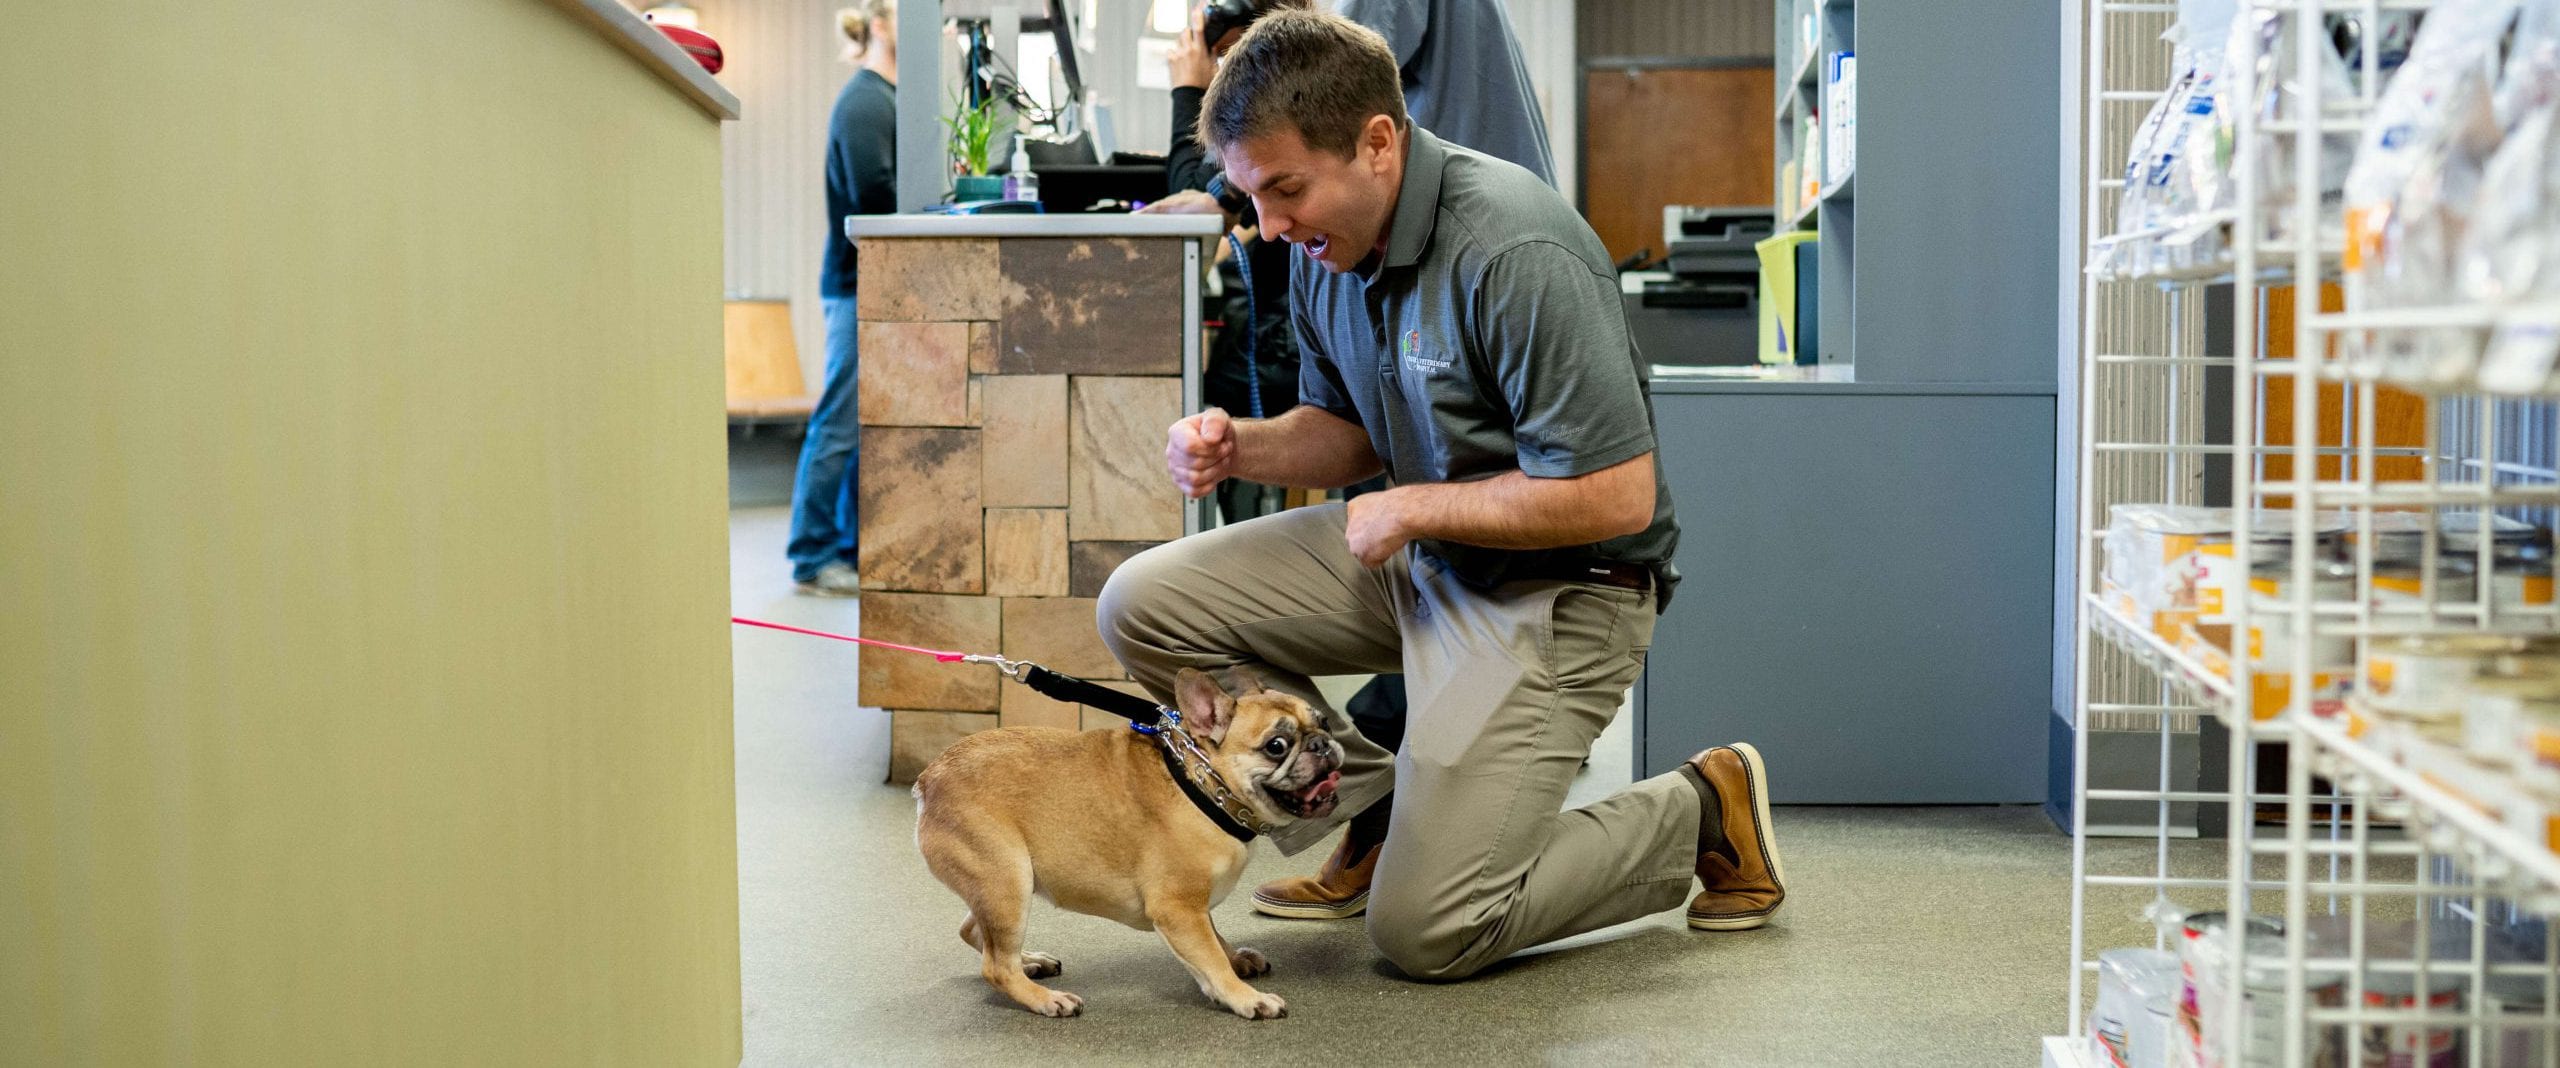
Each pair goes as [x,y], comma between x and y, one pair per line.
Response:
[1702,307]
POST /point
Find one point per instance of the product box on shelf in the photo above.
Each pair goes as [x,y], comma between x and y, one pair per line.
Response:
[2190,984]
[2477,717]
[2524,798]
[2169,565]
[2149,576]
[2270,682]
[1809,175]
[1839,142]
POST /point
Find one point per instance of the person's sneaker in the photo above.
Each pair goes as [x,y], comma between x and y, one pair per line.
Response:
[1745,881]
[837,579]
[1338,890]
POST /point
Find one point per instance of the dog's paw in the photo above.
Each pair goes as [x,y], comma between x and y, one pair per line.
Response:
[1057,1003]
[1040,965]
[1259,1006]
[1249,962]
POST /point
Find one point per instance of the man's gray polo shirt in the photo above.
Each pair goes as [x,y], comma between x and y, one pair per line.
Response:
[1463,75]
[1488,337]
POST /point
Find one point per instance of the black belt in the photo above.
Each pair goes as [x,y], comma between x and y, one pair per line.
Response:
[1589,569]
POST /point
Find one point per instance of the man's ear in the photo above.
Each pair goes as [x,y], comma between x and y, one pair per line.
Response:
[1206,709]
[1378,141]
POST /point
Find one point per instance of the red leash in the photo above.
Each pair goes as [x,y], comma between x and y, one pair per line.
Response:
[1143,715]
[938,654]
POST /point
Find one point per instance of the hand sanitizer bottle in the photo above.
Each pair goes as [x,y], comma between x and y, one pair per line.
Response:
[1021,184]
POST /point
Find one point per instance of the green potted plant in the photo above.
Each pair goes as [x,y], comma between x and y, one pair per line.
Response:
[973,129]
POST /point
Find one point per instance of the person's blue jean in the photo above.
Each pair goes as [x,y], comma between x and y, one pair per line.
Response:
[823,498]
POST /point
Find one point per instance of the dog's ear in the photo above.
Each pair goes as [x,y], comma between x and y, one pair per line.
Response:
[1247,681]
[1206,709]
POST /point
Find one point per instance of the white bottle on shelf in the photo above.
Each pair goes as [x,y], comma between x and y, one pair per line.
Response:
[1020,183]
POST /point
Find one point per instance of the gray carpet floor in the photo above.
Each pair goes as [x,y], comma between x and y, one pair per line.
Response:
[1912,936]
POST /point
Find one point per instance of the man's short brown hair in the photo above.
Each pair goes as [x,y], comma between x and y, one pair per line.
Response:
[1322,74]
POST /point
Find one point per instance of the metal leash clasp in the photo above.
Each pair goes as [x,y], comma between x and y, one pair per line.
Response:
[1012,669]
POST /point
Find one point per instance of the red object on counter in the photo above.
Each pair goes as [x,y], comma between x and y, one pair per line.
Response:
[695,43]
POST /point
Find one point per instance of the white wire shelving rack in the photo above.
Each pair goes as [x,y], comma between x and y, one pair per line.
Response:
[2389,861]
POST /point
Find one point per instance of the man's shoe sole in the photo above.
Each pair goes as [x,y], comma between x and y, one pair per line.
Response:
[1759,777]
[1730,923]
[1300,910]
[812,589]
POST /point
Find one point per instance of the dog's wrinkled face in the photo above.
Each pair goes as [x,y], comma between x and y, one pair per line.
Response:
[1269,745]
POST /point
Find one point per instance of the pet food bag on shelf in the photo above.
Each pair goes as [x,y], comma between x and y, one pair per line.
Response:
[2412,189]
[2164,196]
[2262,54]
[2508,256]
[2127,251]
[2457,47]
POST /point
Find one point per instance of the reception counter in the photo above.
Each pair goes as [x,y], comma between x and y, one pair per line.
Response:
[1018,374]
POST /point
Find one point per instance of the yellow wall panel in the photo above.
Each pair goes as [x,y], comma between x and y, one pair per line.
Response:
[364,682]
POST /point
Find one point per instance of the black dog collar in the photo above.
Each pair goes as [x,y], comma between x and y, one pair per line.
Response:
[1188,780]
[1190,768]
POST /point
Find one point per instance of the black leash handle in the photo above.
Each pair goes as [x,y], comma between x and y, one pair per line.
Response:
[1075,691]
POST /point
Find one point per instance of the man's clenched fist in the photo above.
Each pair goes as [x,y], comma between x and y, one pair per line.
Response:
[1201,452]
[1373,527]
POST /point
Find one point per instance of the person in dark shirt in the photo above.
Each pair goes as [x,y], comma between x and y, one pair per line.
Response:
[862,179]
[1254,348]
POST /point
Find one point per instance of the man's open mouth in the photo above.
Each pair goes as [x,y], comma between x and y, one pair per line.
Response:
[1310,801]
[1316,246]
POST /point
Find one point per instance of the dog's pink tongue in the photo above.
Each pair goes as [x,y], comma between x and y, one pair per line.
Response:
[1322,789]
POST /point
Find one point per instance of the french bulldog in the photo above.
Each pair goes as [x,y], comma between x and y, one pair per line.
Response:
[1095,822]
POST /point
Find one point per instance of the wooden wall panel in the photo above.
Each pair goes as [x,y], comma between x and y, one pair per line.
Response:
[1118,487]
[1653,137]
[1025,463]
[914,374]
[921,527]
[1090,306]
[1026,552]
[930,280]
[916,737]
[1689,29]
[1058,633]
[966,529]
[1090,563]
[893,679]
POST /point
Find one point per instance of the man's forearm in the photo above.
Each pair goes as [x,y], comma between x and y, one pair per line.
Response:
[1304,448]
[1515,511]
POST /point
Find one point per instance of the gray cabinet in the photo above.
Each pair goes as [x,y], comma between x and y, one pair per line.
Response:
[1936,251]
[1868,591]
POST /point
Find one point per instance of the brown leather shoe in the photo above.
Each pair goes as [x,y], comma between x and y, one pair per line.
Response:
[1338,890]
[1739,896]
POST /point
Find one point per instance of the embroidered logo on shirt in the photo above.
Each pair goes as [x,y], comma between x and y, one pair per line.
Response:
[1415,360]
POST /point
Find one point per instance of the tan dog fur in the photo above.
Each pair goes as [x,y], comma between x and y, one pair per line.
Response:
[1094,822]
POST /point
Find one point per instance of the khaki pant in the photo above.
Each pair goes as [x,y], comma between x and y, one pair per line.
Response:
[1508,688]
